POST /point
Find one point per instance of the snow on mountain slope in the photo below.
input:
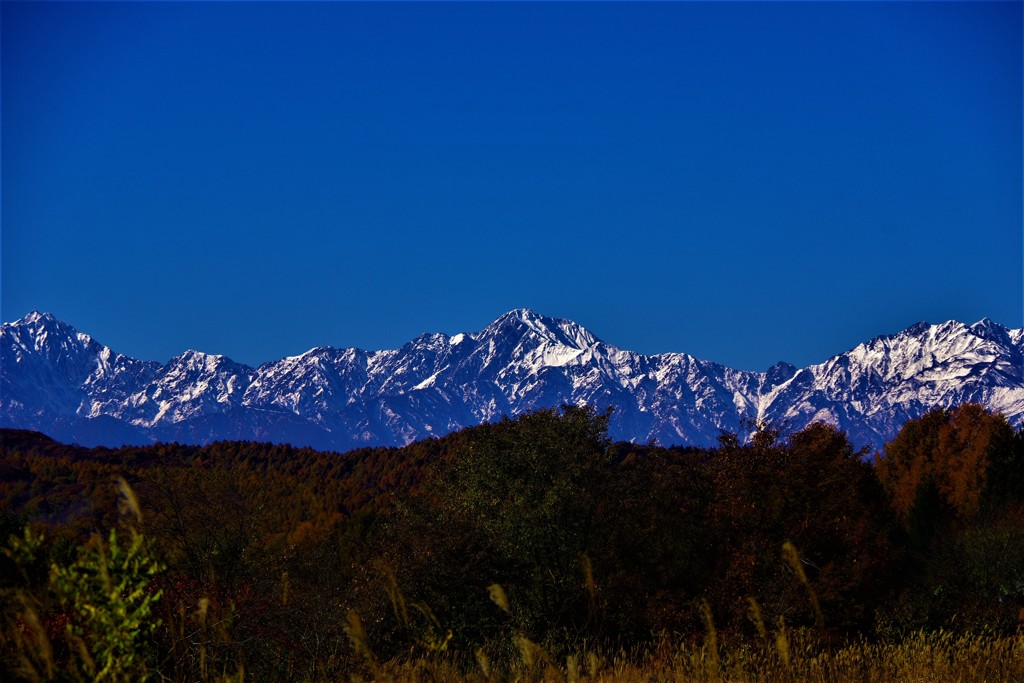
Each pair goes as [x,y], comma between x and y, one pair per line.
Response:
[62,382]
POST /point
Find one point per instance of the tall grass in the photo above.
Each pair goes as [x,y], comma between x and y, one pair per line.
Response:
[782,655]
[940,657]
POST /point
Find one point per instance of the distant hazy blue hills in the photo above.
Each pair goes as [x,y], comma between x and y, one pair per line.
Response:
[63,383]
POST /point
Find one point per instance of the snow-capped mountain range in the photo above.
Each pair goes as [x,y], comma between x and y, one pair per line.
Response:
[64,383]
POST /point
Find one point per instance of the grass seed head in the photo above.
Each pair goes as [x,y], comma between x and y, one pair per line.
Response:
[497,595]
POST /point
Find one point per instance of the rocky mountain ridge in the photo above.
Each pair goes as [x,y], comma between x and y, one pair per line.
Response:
[62,382]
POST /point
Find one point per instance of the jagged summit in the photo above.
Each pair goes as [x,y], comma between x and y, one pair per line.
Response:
[520,314]
[557,330]
[915,329]
[988,329]
[521,318]
[193,357]
[44,323]
[36,316]
[60,381]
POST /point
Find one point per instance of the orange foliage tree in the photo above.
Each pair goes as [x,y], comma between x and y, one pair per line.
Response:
[965,455]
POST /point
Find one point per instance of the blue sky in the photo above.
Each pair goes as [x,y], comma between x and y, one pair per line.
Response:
[743,182]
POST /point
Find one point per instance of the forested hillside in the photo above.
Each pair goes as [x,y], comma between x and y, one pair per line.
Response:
[538,532]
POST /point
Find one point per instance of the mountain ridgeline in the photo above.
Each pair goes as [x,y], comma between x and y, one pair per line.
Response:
[62,382]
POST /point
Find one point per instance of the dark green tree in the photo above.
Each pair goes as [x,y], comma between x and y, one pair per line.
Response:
[514,506]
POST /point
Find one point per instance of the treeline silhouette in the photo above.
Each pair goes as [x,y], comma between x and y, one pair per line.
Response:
[282,561]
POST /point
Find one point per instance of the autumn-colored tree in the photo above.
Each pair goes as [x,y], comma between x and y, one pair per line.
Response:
[968,455]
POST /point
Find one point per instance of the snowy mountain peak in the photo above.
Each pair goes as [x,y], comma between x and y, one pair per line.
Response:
[42,333]
[518,319]
[915,330]
[430,340]
[779,373]
[36,317]
[523,314]
[193,356]
[559,331]
[36,324]
[987,329]
[193,361]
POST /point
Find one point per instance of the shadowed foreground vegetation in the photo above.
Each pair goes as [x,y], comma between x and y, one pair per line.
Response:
[529,549]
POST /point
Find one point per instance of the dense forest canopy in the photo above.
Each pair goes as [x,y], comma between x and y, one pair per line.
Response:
[277,559]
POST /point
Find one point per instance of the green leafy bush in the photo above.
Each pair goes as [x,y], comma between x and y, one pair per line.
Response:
[107,593]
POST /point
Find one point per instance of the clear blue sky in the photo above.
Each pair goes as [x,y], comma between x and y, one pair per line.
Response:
[743,182]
